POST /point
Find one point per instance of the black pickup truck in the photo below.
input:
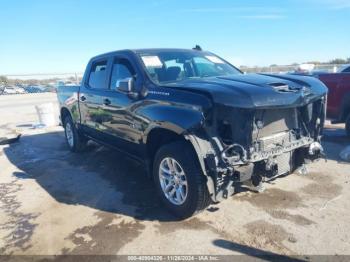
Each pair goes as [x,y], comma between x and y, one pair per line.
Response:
[200,126]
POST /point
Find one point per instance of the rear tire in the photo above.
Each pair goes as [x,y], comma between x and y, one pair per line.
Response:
[75,141]
[194,196]
[347,125]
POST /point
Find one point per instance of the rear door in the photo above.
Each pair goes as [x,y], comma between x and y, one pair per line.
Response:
[92,98]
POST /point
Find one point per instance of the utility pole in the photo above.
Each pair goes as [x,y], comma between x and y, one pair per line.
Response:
[76,79]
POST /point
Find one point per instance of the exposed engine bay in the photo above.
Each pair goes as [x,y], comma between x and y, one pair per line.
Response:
[260,144]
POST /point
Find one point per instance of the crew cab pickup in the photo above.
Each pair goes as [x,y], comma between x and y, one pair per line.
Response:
[198,124]
[338,106]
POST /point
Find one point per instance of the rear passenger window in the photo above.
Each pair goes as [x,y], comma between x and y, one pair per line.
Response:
[98,74]
[122,69]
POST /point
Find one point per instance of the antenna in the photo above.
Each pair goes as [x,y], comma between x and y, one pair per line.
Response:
[197,47]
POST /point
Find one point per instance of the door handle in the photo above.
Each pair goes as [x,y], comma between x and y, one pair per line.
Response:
[82,98]
[106,101]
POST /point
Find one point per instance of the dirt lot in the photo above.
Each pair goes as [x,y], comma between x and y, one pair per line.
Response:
[100,202]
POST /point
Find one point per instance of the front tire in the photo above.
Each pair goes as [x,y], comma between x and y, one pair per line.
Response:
[179,180]
[75,141]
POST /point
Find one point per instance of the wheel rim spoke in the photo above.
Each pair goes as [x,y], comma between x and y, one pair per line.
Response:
[182,191]
[168,187]
[172,192]
[179,197]
[170,164]
[183,183]
[177,168]
[166,174]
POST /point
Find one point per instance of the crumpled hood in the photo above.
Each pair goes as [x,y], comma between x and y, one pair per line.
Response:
[256,90]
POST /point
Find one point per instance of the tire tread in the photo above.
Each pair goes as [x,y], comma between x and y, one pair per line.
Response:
[80,142]
[189,161]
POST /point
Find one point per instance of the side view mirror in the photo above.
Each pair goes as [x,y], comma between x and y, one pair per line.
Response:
[126,85]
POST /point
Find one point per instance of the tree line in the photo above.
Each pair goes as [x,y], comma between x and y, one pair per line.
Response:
[336,61]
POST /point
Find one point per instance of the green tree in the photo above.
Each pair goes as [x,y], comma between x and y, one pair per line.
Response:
[314,62]
[3,80]
[338,61]
[3,83]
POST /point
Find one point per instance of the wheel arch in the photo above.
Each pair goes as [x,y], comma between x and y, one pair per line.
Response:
[159,136]
[64,112]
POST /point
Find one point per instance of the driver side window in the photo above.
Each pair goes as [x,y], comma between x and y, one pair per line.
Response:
[121,70]
[98,75]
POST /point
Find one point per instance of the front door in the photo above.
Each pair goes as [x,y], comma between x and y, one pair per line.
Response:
[123,125]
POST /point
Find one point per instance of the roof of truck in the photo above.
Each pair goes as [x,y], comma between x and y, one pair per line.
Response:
[146,50]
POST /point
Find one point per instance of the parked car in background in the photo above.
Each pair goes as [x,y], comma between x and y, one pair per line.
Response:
[20,90]
[198,124]
[344,69]
[66,83]
[338,105]
[50,88]
[10,90]
[34,89]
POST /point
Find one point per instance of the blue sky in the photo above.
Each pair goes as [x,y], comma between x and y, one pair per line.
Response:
[52,36]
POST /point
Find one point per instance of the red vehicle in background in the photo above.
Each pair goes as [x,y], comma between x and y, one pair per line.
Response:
[338,106]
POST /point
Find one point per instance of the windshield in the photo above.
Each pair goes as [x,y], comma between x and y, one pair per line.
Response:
[174,66]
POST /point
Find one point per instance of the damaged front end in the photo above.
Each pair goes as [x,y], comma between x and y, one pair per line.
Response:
[260,144]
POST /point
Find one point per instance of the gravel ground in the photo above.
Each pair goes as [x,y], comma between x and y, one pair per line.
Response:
[100,202]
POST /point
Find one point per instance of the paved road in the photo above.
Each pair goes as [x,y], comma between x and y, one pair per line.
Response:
[99,202]
[26,100]
[16,109]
